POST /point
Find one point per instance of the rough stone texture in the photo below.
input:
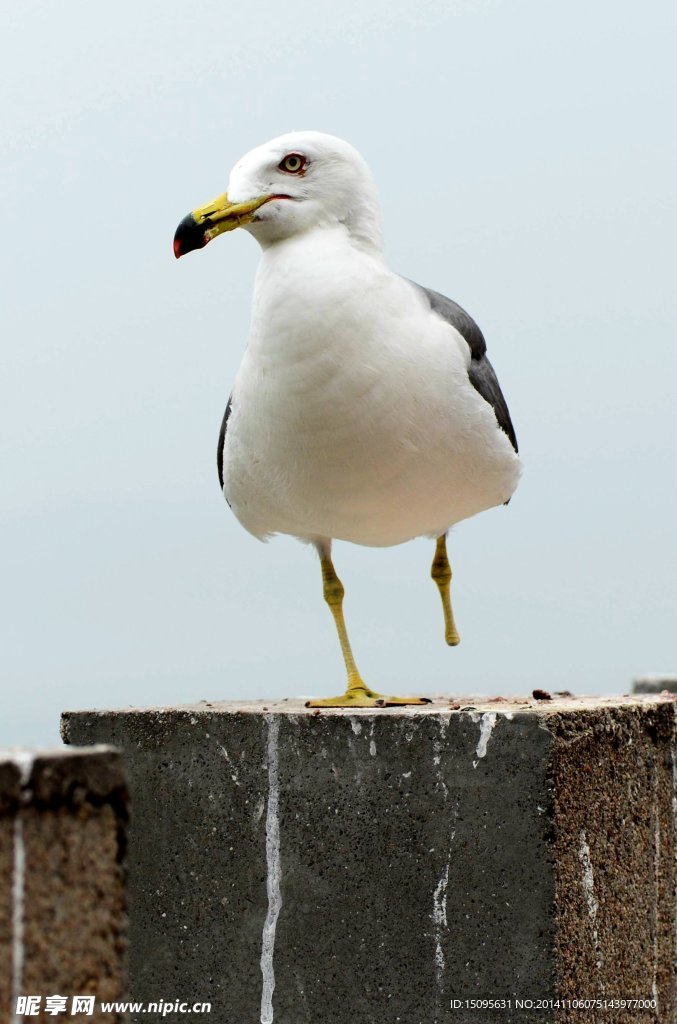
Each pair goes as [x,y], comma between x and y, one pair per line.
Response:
[614,776]
[655,684]
[8,780]
[68,814]
[486,850]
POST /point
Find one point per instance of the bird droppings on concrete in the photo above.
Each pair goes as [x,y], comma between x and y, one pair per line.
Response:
[438,746]
[439,917]
[274,871]
[410,732]
[438,741]
[233,770]
[24,761]
[487,723]
[259,808]
[588,883]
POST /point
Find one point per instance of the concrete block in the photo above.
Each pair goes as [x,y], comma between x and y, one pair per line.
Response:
[655,684]
[337,867]
[63,821]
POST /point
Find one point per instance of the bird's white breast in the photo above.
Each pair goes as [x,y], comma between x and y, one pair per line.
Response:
[353,416]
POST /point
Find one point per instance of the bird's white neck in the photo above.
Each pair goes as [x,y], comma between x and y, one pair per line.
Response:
[323,239]
[361,226]
[303,283]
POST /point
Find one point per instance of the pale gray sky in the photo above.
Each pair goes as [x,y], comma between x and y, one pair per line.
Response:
[526,156]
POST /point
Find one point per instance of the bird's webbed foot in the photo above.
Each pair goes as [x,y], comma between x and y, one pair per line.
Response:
[358,695]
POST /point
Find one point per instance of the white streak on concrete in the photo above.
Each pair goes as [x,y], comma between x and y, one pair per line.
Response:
[440,920]
[274,871]
[589,893]
[259,809]
[24,762]
[372,741]
[439,914]
[356,726]
[437,744]
[487,724]
[588,877]
[234,773]
[436,752]
[18,888]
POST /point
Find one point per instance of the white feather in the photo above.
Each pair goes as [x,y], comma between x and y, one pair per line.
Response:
[353,416]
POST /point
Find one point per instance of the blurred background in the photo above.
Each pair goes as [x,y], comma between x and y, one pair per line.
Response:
[526,157]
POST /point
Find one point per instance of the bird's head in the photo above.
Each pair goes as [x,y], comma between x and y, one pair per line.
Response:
[287,186]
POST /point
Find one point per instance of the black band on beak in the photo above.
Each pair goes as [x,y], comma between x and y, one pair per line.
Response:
[189,235]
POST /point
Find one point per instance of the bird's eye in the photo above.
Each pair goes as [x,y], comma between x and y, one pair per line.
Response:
[293,163]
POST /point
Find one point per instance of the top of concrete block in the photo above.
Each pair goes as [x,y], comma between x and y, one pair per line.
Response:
[64,775]
[542,706]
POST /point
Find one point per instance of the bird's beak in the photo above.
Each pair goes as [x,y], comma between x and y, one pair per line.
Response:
[205,223]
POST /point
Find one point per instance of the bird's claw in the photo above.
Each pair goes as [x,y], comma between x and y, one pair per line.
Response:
[365,698]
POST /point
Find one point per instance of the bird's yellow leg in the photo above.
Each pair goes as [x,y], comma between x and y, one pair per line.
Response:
[358,694]
[441,573]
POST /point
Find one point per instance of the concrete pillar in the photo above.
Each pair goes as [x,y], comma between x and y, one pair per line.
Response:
[63,820]
[655,684]
[362,868]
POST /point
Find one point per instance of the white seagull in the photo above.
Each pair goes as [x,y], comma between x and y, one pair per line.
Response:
[365,408]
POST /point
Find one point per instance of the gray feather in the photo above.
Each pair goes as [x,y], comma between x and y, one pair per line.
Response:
[222,441]
[480,371]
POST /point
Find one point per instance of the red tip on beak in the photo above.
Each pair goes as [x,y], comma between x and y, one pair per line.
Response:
[188,236]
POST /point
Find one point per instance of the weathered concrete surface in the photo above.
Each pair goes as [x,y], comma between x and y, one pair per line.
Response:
[383,863]
[63,820]
[655,684]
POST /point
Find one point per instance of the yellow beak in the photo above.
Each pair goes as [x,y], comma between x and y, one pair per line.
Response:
[205,223]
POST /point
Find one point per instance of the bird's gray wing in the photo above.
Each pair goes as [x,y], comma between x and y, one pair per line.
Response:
[222,441]
[480,371]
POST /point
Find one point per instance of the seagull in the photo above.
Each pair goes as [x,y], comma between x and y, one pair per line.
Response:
[365,408]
